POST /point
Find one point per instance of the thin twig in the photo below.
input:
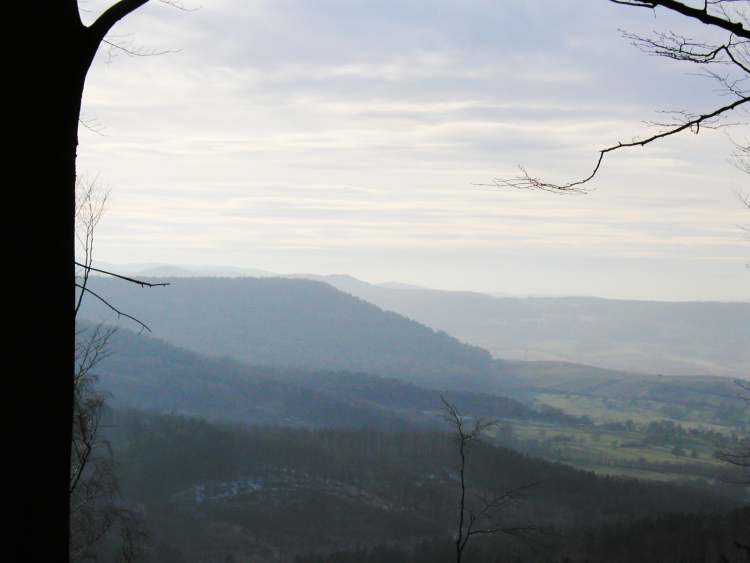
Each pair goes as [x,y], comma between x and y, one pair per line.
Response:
[112,307]
[528,182]
[126,278]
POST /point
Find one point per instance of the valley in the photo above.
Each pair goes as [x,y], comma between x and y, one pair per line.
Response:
[280,418]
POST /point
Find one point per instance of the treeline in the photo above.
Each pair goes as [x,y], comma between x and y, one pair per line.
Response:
[164,454]
[150,374]
[673,538]
[316,489]
[663,432]
[694,538]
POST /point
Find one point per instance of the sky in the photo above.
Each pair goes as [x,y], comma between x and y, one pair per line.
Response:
[353,137]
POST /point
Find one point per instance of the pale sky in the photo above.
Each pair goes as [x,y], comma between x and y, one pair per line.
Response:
[348,136]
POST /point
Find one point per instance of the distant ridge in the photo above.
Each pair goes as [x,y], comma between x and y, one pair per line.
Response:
[182,271]
[672,338]
[295,323]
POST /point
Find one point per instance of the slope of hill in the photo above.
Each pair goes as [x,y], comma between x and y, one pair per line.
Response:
[210,490]
[556,422]
[562,377]
[688,338]
[295,323]
[310,326]
[150,374]
[610,396]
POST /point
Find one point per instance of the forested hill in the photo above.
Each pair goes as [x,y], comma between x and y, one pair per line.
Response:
[147,373]
[293,323]
[289,489]
[672,338]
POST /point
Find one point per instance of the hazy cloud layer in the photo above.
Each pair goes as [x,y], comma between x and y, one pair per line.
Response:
[345,136]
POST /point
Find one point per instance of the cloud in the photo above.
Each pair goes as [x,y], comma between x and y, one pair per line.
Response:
[358,129]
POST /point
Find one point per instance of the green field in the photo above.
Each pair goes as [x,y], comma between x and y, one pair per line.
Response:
[642,411]
[618,452]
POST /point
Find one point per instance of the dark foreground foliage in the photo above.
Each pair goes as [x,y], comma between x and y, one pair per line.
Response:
[267,493]
[674,538]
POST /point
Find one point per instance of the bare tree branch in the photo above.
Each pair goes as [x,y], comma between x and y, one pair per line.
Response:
[126,278]
[680,48]
[92,126]
[112,307]
[528,182]
[136,52]
[727,63]
[93,485]
[106,21]
[111,16]
[741,160]
[95,509]
[481,519]
[90,203]
[699,14]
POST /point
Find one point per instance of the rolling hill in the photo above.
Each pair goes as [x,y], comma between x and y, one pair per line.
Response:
[294,324]
[672,338]
[311,327]
[147,373]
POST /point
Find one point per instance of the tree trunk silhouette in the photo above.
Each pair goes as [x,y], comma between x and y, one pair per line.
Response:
[48,70]
[45,245]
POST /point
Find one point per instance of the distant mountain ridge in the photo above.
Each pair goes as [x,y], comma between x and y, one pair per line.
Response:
[672,338]
[293,323]
[155,269]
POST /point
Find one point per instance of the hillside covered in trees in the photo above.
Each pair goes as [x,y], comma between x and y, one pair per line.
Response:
[295,323]
[208,491]
[672,338]
[147,373]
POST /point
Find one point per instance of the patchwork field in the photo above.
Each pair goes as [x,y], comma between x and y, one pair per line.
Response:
[603,410]
[661,451]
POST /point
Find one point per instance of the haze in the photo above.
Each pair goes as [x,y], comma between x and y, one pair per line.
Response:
[347,137]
